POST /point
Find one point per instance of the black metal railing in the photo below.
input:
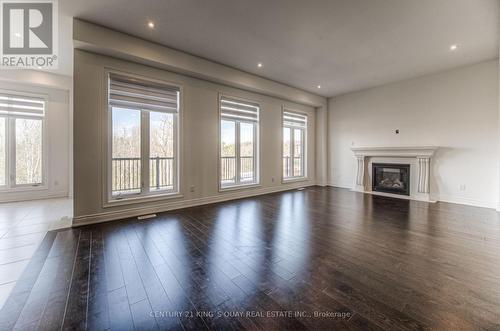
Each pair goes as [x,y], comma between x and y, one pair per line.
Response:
[161,173]
[290,170]
[228,168]
[126,174]
[246,168]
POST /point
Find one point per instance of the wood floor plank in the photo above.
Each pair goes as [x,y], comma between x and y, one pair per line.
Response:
[318,259]
[97,309]
[77,302]
[119,310]
[145,259]
[59,271]
[14,305]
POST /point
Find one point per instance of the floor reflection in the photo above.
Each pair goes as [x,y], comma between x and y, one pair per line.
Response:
[388,264]
[291,237]
[236,250]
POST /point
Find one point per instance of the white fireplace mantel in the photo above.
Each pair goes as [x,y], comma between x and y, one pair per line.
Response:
[413,151]
[423,154]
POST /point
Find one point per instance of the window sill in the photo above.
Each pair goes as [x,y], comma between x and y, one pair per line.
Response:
[140,199]
[294,180]
[238,187]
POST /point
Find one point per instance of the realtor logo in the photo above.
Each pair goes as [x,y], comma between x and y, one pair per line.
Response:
[29,34]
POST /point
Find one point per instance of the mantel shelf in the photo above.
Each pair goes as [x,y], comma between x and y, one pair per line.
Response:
[400,151]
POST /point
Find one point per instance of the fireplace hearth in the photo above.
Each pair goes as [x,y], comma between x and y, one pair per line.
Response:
[391,178]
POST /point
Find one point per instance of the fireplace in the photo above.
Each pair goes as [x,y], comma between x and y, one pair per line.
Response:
[391,178]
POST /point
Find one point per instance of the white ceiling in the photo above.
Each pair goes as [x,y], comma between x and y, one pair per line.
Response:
[343,45]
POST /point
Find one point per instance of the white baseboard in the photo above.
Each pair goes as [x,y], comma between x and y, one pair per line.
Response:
[340,185]
[442,198]
[467,201]
[322,184]
[31,195]
[158,208]
[137,211]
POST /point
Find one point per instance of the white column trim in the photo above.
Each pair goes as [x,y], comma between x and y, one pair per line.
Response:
[360,173]
[423,174]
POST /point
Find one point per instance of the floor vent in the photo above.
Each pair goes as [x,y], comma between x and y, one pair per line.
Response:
[145,217]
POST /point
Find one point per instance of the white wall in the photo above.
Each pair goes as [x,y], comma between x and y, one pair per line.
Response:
[57,88]
[456,110]
[498,138]
[202,80]
[199,136]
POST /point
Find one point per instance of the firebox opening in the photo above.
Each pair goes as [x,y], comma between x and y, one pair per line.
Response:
[391,178]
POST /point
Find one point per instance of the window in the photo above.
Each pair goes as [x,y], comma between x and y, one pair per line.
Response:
[21,141]
[294,145]
[143,140]
[238,142]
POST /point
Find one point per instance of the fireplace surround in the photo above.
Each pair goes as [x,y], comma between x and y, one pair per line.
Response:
[419,157]
[391,178]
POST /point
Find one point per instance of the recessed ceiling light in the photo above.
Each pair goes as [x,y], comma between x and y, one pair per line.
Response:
[319,86]
[259,65]
[151,25]
[453,47]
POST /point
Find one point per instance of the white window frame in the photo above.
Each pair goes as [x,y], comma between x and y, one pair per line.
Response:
[145,194]
[10,146]
[256,148]
[303,176]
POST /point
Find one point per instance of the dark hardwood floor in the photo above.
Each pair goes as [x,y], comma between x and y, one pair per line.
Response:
[320,258]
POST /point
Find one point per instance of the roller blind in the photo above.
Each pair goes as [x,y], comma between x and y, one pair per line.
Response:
[11,104]
[234,109]
[134,93]
[294,119]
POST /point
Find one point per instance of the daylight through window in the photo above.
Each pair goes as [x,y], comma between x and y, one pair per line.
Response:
[238,142]
[21,141]
[294,145]
[143,141]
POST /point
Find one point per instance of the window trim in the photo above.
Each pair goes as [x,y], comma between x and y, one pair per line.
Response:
[304,176]
[107,199]
[236,186]
[10,150]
